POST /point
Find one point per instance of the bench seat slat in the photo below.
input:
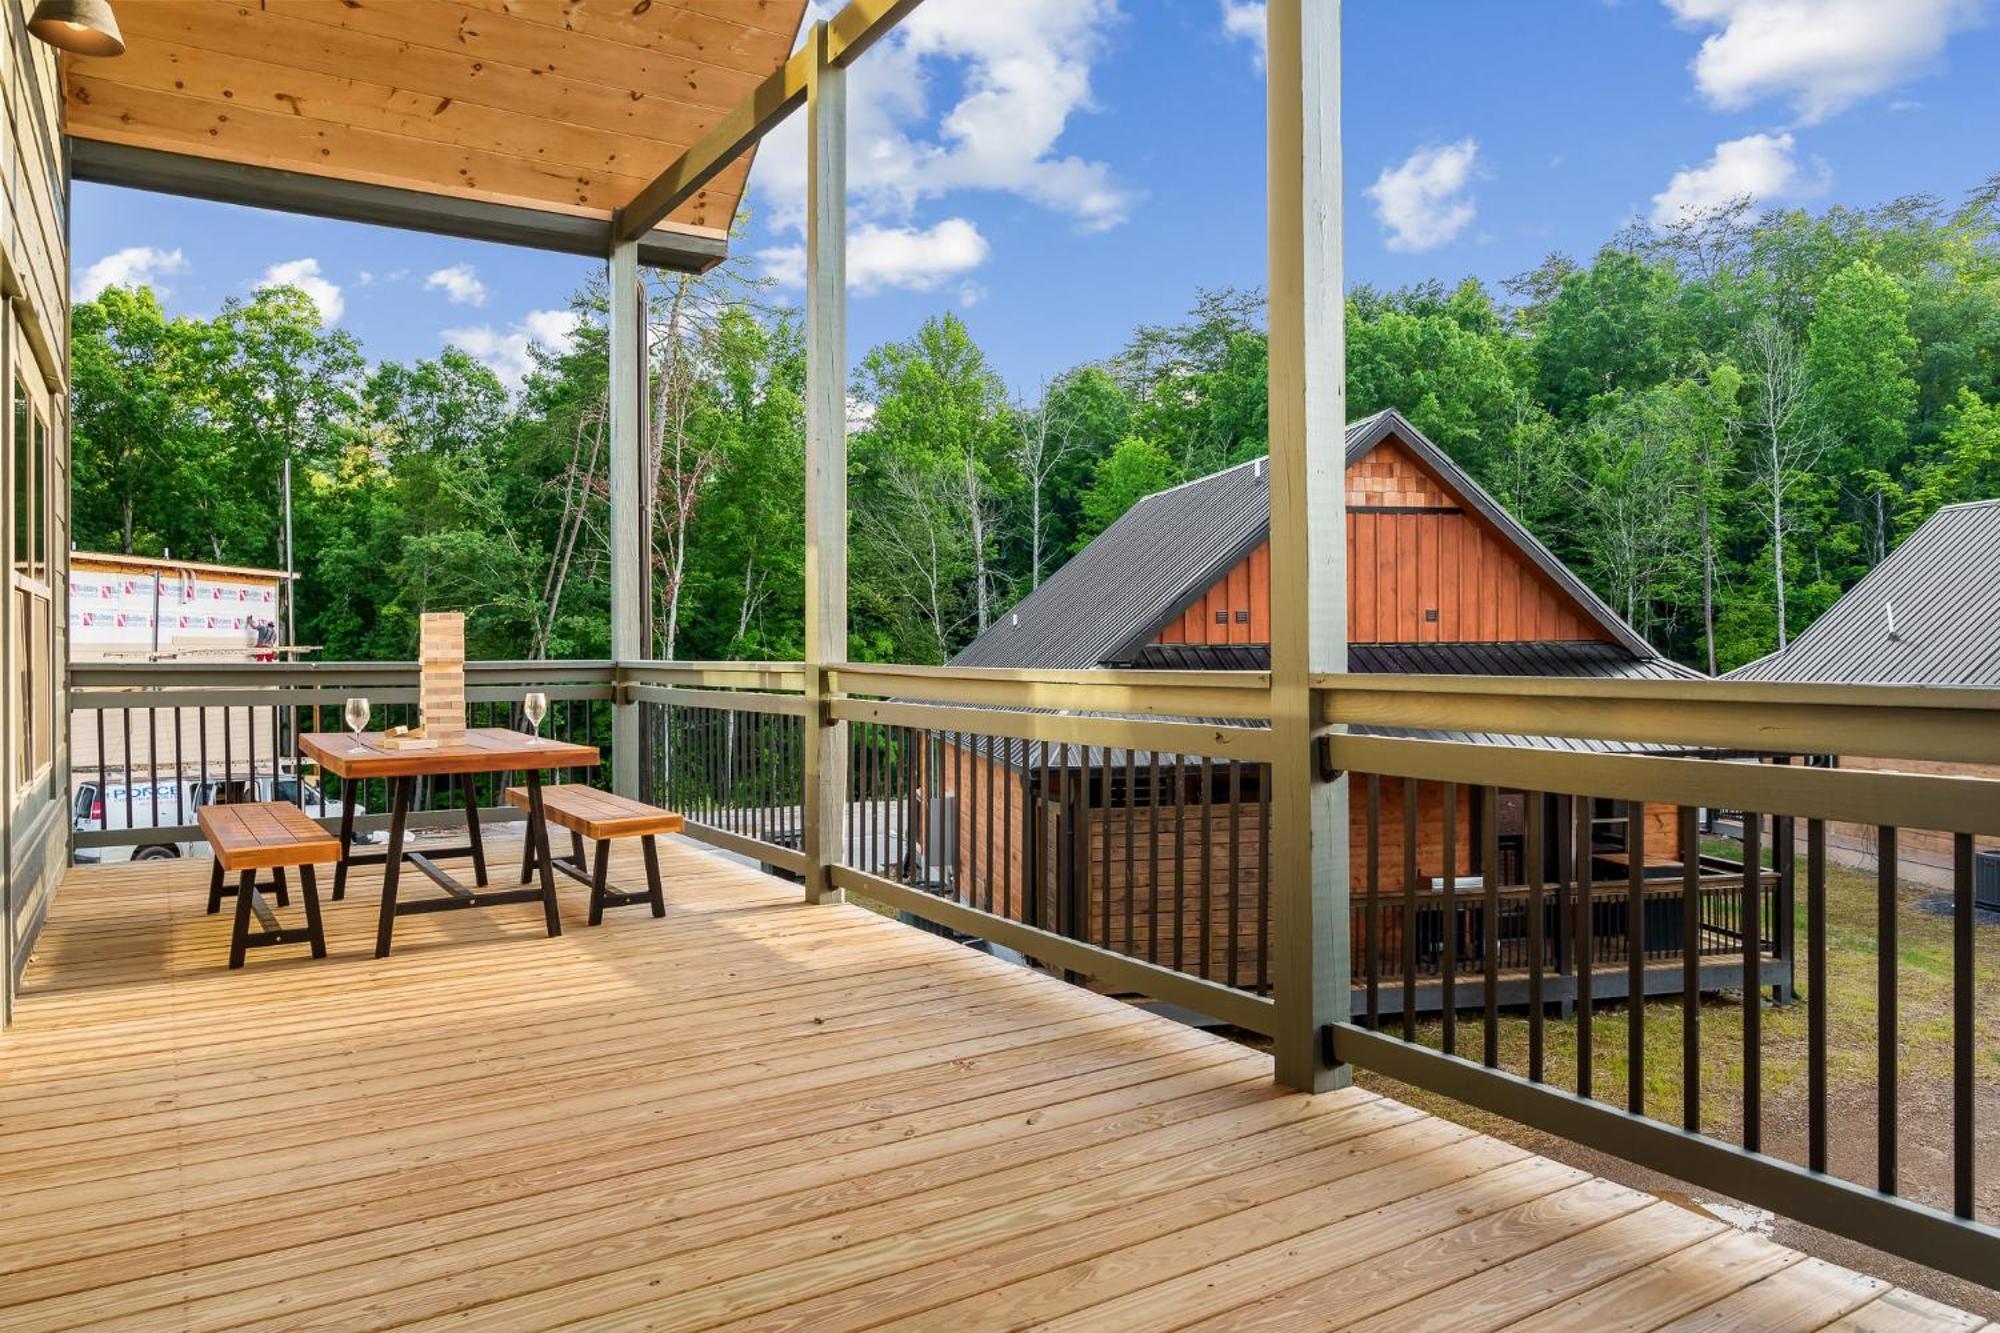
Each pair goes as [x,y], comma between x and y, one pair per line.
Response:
[265,835]
[598,814]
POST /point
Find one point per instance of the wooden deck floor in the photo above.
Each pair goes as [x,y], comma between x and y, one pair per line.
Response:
[757,1114]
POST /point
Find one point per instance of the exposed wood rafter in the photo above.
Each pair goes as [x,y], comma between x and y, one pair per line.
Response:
[850,32]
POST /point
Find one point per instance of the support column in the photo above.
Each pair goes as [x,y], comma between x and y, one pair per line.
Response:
[1309,817]
[826,460]
[628,540]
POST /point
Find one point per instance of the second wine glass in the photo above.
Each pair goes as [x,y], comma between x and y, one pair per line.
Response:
[356,715]
[535,707]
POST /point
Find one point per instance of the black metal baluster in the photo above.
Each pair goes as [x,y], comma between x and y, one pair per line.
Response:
[1263,772]
[1753,989]
[1963,911]
[1816,997]
[1886,949]
[1583,932]
[1412,789]
[993,779]
[125,725]
[1207,863]
[1448,959]
[153,762]
[1231,969]
[1008,886]
[1690,840]
[1490,866]
[180,769]
[1635,959]
[1371,914]
[1180,863]
[1153,866]
[1532,853]
[1131,854]
[1104,837]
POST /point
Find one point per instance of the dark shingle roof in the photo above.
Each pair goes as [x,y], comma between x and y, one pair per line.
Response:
[1149,566]
[1943,587]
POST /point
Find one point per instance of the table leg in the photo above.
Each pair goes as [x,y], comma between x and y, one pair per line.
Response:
[239,937]
[399,811]
[600,877]
[538,833]
[347,791]
[653,890]
[310,887]
[468,789]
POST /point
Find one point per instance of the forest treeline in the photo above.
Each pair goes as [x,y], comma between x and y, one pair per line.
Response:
[1720,425]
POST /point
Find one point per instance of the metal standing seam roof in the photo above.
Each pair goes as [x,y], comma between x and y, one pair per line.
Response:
[1942,586]
[1137,575]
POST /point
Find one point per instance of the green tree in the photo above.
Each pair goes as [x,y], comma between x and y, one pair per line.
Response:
[1965,465]
[1859,358]
[1128,474]
[1614,325]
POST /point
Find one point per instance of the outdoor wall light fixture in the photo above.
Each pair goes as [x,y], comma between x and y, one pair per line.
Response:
[82,27]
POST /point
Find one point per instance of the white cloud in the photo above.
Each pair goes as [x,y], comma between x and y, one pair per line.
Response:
[459,283]
[304,274]
[134,266]
[505,352]
[1820,55]
[1425,201]
[1757,167]
[1244,21]
[910,258]
[1021,71]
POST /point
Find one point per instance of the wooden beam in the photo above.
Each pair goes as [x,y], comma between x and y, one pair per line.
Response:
[1309,817]
[837,43]
[685,249]
[770,102]
[826,460]
[1878,722]
[861,24]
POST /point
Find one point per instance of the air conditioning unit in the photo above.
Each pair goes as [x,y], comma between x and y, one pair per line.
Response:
[1986,880]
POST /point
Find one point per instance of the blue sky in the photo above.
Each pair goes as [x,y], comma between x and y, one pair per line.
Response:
[1059,171]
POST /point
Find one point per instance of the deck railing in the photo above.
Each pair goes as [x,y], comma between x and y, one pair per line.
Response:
[1506,897]
[1719,1113]
[151,742]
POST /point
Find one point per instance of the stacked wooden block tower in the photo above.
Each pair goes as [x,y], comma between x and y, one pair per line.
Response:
[441,654]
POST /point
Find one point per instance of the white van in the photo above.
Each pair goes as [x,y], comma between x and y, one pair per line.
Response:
[112,806]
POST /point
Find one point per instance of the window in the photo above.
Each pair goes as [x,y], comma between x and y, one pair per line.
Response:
[32,466]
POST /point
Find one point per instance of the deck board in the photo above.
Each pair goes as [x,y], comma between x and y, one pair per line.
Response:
[751,1113]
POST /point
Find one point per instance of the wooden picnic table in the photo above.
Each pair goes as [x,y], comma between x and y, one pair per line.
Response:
[484,750]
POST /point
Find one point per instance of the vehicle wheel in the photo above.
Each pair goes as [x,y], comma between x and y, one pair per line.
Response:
[155,854]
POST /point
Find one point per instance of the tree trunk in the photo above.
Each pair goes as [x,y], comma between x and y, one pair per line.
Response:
[1035,535]
[1778,538]
[1707,580]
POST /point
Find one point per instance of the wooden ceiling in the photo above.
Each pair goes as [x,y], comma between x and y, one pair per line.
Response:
[564,106]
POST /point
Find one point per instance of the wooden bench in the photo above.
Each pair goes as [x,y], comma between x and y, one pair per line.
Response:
[600,816]
[269,836]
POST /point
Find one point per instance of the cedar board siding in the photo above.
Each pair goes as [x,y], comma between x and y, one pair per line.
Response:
[992,861]
[1420,570]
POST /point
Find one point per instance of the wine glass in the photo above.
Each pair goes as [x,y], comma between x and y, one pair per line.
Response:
[535,707]
[356,714]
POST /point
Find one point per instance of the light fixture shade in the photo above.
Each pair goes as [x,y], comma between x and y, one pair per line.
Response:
[85,27]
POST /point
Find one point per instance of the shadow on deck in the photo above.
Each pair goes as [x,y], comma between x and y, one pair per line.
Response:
[752,1111]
